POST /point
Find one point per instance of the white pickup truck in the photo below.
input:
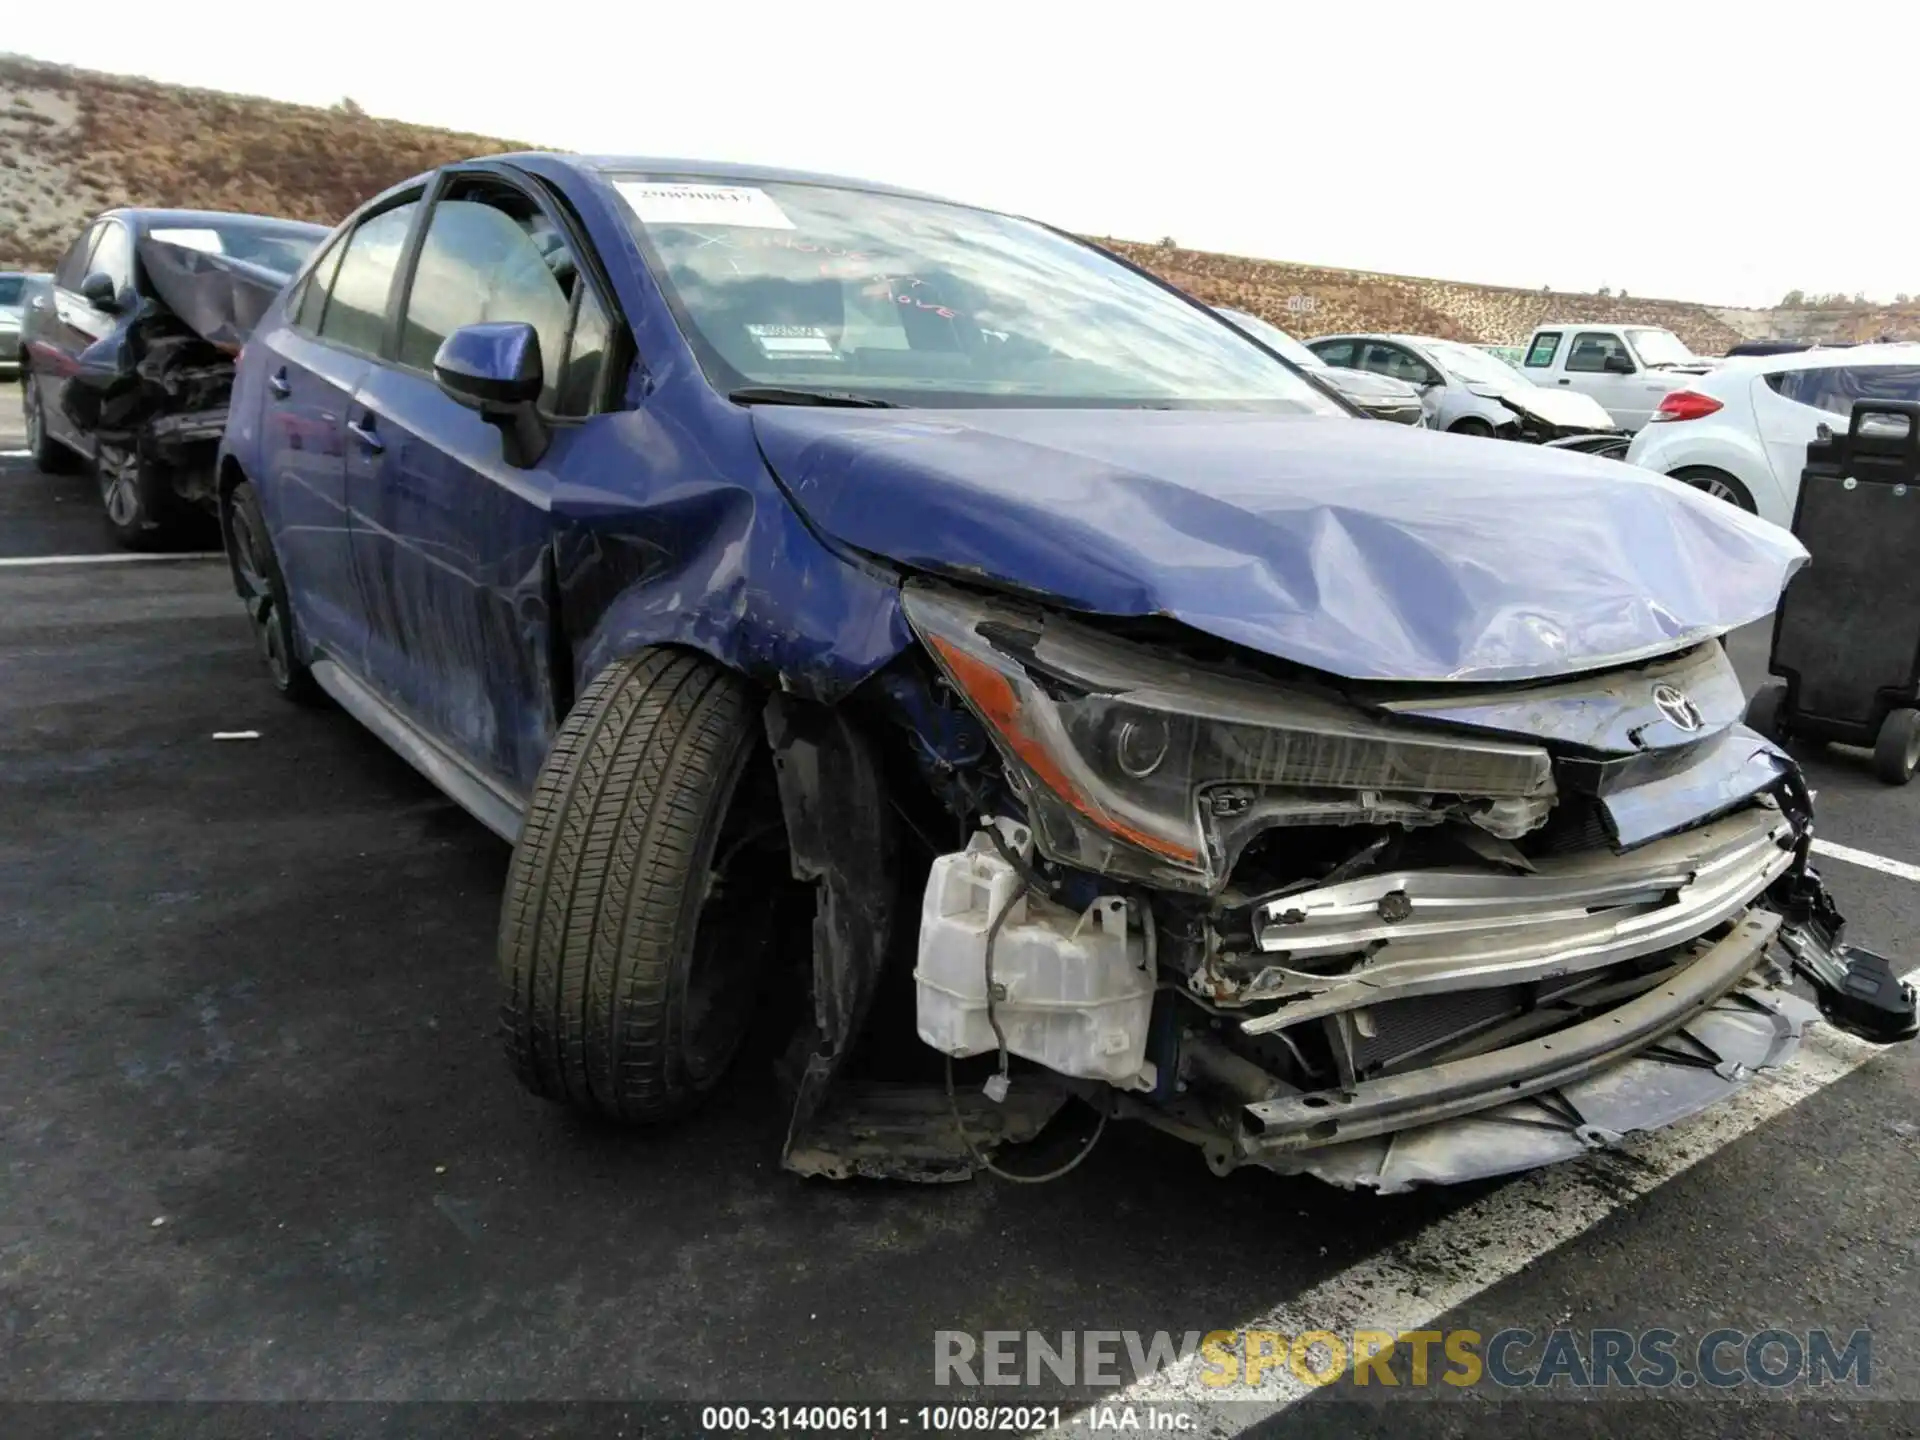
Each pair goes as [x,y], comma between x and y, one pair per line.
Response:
[1627,368]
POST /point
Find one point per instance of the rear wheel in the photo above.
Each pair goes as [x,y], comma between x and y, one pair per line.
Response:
[256,574]
[1718,484]
[137,498]
[640,907]
[1896,750]
[48,454]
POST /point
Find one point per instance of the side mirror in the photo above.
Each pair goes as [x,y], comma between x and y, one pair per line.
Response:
[495,368]
[99,291]
[1617,364]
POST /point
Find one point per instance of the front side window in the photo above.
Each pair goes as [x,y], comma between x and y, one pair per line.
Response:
[1396,364]
[922,302]
[113,255]
[1540,354]
[496,258]
[72,268]
[356,309]
[1592,349]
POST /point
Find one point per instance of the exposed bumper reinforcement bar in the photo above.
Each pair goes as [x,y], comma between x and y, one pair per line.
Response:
[1459,1087]
[1469,930]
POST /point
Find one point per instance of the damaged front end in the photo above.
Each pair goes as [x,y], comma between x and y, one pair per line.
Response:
[1383,934]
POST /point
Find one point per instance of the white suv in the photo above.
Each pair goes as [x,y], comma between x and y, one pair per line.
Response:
[1741,432]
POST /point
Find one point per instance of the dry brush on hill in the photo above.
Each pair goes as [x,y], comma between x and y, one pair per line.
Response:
[73,142]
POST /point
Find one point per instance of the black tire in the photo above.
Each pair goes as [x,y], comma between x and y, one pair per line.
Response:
[1896,749]
[1717,483]
[1471,426]
[49,455]
[630,965]
[1763,710]
[257,576]
[141,510]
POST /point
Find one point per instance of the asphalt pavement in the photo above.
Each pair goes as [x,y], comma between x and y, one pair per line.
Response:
[258,1143]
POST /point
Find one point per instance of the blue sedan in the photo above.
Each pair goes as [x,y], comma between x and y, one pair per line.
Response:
[817,582]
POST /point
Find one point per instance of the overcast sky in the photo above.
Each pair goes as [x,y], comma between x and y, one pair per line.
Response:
[1692,148]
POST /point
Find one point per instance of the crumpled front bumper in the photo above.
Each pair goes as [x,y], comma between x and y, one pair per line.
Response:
[1682,1046]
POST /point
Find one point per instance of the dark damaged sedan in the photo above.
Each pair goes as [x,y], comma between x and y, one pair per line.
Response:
[128,355]
[908,619]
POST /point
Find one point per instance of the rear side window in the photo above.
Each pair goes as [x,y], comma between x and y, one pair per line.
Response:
[356,311]
[1334,352]
[1591,349]
[1835,388]
[313,296]
[1541,354]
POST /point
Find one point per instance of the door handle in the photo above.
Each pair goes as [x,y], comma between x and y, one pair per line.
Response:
[278,383]
[1565,381]
[364,434]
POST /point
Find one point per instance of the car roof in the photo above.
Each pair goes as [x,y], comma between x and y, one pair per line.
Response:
[720,170]
[1889,354]
[1600,325]
[146,219]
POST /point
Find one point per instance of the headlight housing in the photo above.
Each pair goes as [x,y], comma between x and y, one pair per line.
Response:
[1160,770]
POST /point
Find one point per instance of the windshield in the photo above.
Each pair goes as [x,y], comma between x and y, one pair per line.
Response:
[1274,338]
[12,287]
[920,302]
[1660,347]
[281,248]
[1474,366]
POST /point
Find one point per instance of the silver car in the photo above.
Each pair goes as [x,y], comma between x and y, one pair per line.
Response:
[13,297]
[1467,391]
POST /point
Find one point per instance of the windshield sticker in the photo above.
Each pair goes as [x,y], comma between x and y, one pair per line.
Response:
[782,342]
[195,239]
[662,203]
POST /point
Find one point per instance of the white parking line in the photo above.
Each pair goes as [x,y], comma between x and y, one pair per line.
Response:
[16,454]
[1410,1285]
[26,562]
[1867,858]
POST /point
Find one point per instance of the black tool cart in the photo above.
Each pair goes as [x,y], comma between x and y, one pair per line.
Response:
[1846,638]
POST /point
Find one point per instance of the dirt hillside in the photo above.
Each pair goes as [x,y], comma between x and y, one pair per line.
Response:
[73,142]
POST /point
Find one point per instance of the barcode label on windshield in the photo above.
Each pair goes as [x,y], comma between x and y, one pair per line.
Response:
[664,203]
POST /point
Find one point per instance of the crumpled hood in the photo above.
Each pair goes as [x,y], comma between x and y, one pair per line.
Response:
[1368,551]
[1568,408]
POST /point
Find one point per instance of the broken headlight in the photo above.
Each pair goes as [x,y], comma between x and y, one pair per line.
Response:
[1146,766]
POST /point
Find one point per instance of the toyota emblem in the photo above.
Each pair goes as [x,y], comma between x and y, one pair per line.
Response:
[1674,704]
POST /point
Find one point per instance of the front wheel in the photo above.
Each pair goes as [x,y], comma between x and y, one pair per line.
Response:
[1471,426]
[639,910]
